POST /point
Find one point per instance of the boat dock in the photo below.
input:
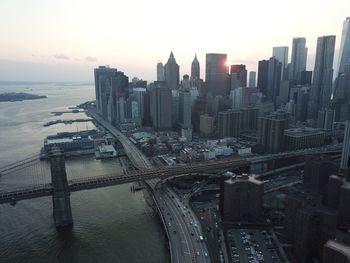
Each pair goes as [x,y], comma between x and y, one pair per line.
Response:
[66,121]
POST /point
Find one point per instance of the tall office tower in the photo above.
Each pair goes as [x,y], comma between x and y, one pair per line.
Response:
[346,147]
[103,87]
[299,56]
[139,95]
[305,78]
[185,109]
[271,131]
[135,113]
[110,86]
[323,75]
[195,69]
[239,73]
[161,106]
[300,97]
[160,71]
[229,123]
[344,51]
[341,95]
[147,117]
[269,78]
[252,79]
[216,74]
[175,103]
[172,72]
[281,54]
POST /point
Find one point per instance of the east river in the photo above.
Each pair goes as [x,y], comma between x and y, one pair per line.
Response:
[111,224]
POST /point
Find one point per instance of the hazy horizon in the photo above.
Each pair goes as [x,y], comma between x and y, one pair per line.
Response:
[64,41]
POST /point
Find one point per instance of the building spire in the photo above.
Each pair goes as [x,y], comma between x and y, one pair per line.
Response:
[195,60]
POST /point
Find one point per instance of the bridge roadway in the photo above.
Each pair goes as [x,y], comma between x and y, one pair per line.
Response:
[110,179]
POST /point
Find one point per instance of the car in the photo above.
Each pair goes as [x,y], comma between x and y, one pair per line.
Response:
[197,253]
[206,254]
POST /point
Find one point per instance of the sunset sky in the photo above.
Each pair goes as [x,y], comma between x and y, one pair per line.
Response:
[64,40]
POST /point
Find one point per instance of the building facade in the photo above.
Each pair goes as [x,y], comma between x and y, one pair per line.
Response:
[161,106]
[195,69]
[242,199]
[323,76]
[298,59]
[281,54]
[172,72]
[269,78]
[344,51]
[229,123]
[216,74]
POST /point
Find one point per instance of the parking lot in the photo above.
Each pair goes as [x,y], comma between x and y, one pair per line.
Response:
[251,246]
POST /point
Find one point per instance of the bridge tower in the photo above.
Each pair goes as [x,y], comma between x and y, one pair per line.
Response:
[62,211]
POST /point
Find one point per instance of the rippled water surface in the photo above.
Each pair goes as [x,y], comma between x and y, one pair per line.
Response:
[110,224]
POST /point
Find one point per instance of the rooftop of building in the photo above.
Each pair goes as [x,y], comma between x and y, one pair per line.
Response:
[346,185]
[243,178]
[106,148]
[338,246]
[302,131]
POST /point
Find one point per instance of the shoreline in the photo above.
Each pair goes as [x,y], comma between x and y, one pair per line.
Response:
[147,193]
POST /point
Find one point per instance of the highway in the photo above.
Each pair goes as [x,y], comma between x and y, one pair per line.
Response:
[193,225]
[134,154]
[183,245]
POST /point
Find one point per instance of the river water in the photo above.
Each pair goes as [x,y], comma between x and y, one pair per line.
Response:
[111,224]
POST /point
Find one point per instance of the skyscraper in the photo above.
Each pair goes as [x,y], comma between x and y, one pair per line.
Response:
[341,95]
[172,74]
[103,86]
[195,69]
[239,74]
[344,51]
[281,54]
[111,85]
[185,109]
[323,75]
[160,71]
[299,56]
[346,147]
[139,94]
[252,79]
[161,105]
[216,74]
[269,78]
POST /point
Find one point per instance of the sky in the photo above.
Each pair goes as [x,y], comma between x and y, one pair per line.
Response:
[50,40]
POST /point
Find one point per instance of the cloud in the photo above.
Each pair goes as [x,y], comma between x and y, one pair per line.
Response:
[61,56]
[90,59]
